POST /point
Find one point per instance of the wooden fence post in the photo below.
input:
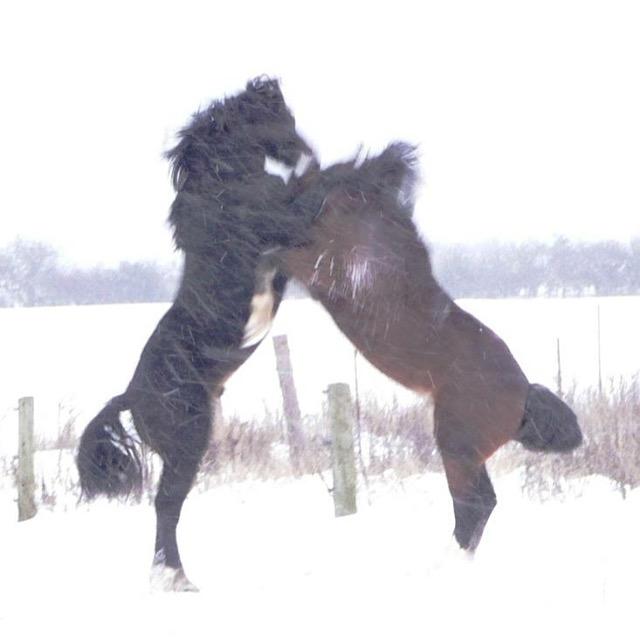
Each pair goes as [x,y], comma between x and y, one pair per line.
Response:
[559,375]
[290,403]
[26,475]
[599,356]
[344,462]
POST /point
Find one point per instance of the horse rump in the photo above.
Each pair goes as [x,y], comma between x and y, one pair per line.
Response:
[548,423]
[108,460]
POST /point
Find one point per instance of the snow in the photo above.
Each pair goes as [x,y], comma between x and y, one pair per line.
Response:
[272,561]
[76,358]
[269,557]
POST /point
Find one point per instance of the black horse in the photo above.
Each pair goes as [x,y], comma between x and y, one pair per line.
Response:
[228,216]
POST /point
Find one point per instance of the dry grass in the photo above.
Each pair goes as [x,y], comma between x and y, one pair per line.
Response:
[386,438]
[66,436]
[391,442]
[610,421]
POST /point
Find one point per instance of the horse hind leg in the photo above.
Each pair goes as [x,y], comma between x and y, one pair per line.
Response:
[181,453]
[167,572]
[473,499]
[471,490]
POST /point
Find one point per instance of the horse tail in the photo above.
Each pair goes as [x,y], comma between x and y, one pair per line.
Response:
[108,460]
[548,423]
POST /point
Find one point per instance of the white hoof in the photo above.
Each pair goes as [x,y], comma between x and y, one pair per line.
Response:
[165,578]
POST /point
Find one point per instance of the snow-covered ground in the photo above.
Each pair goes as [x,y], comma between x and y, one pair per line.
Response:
[76,358]
[270,558]
[273,562]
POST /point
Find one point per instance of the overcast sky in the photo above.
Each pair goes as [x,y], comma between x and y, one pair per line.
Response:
[526,113]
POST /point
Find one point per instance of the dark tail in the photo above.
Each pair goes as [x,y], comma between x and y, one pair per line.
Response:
[548,423]
[108,459]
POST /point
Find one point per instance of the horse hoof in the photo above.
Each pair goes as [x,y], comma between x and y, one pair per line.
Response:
[165,578]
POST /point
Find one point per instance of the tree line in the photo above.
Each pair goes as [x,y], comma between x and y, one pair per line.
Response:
[32,274]
[563,268]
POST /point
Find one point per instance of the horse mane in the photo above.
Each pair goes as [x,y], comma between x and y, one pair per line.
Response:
[391,177]
[374,194]
[393,174]
[217,168]
[205,147]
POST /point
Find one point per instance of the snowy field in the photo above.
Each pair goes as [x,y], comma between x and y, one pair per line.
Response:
[270,558]
[272,562]
[76,358]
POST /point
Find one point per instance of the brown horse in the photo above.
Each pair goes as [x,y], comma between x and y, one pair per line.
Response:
[371,271]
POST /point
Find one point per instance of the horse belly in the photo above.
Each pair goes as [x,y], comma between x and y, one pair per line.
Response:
[402,353]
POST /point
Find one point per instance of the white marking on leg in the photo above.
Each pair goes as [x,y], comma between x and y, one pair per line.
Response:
[165,578]
[261,316]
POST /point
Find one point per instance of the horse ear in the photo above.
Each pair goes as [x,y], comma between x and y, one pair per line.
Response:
[267,91]
[265,85]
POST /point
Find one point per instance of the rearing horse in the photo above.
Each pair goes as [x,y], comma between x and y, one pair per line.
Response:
[228,216]
[368,267]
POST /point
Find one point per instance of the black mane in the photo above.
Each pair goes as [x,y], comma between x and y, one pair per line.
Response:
[208,146]
[217,169]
